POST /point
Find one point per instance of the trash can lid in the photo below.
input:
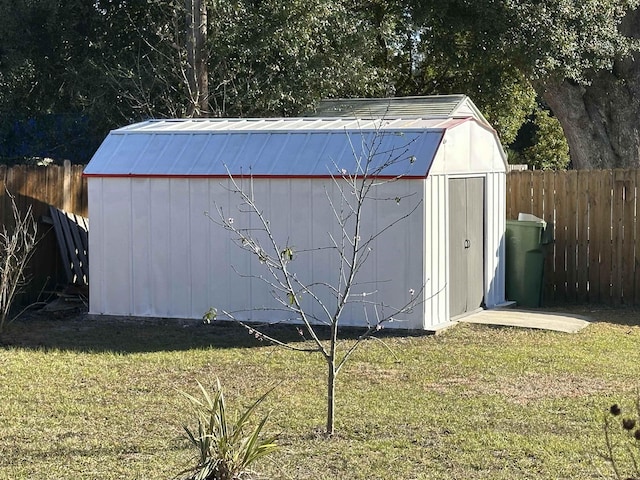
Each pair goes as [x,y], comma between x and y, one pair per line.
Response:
[527,217]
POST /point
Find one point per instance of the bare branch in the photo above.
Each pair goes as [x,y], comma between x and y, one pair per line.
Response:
[260,335]
[16,248]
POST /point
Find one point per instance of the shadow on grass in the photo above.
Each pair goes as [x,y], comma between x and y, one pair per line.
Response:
[625,315]
[82,333]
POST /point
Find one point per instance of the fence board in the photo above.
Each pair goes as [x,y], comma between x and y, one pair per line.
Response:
[571,249]
[606,250]
[628,227]
[3,186]
[636,259]
[617,233]
[537,207]
[548,186]
[560,270]
[510,196]
[582,235]
[525,193]
[595,242]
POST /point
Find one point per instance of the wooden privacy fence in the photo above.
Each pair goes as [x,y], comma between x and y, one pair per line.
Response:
[595,256]
[596,253]
[61,186]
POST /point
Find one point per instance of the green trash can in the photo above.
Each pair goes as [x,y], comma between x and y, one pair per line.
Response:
[525,252]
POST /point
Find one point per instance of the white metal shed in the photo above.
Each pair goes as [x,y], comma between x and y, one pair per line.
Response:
[154,253]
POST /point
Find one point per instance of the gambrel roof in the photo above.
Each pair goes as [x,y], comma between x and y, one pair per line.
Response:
[271,147]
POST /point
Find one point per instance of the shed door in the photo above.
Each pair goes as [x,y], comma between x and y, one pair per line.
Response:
[466,244]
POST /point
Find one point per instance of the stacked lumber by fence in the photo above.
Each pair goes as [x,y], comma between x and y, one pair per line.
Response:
[60,186]
[596,254]
[72,235]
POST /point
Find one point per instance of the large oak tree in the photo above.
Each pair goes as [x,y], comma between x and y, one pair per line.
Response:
[580,57]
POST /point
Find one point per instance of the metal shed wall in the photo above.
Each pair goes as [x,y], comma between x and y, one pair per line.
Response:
[155,253]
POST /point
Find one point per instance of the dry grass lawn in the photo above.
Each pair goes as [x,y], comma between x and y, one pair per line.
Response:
[95,399]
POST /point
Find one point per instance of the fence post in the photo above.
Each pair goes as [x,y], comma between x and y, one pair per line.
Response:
[67,196]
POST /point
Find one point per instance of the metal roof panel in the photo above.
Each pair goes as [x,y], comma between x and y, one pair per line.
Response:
[433,105]
[443,106]
[265,148]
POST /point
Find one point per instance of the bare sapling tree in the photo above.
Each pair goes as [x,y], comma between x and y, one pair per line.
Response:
[315,305]
[16,248]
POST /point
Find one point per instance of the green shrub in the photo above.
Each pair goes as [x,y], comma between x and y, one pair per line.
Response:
[550,150]
[227,445]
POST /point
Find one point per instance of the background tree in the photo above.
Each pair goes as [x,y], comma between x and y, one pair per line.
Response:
[143,55]
[549,150]
[278,58]
[197,58]
[599,115]
[580,58]
[263,58]
[70,70]
[48,85]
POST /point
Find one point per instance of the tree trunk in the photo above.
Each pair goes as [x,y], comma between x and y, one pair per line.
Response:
[331,379]
[197,71]
[602,120]
[331,398]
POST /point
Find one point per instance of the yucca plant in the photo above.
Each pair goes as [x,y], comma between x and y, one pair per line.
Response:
[227,445]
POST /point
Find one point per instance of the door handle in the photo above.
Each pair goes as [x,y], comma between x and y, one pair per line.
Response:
[467,243]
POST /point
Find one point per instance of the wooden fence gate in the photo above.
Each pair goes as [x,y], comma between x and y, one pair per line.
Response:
[595,256]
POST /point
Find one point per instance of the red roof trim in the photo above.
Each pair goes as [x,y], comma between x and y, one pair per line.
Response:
[163,175]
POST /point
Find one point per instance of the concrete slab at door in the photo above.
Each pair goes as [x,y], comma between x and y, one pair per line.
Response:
[557,322]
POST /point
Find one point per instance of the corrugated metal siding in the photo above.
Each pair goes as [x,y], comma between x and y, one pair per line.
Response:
[169,260]
[494,238]
[436,305]
[154,253]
